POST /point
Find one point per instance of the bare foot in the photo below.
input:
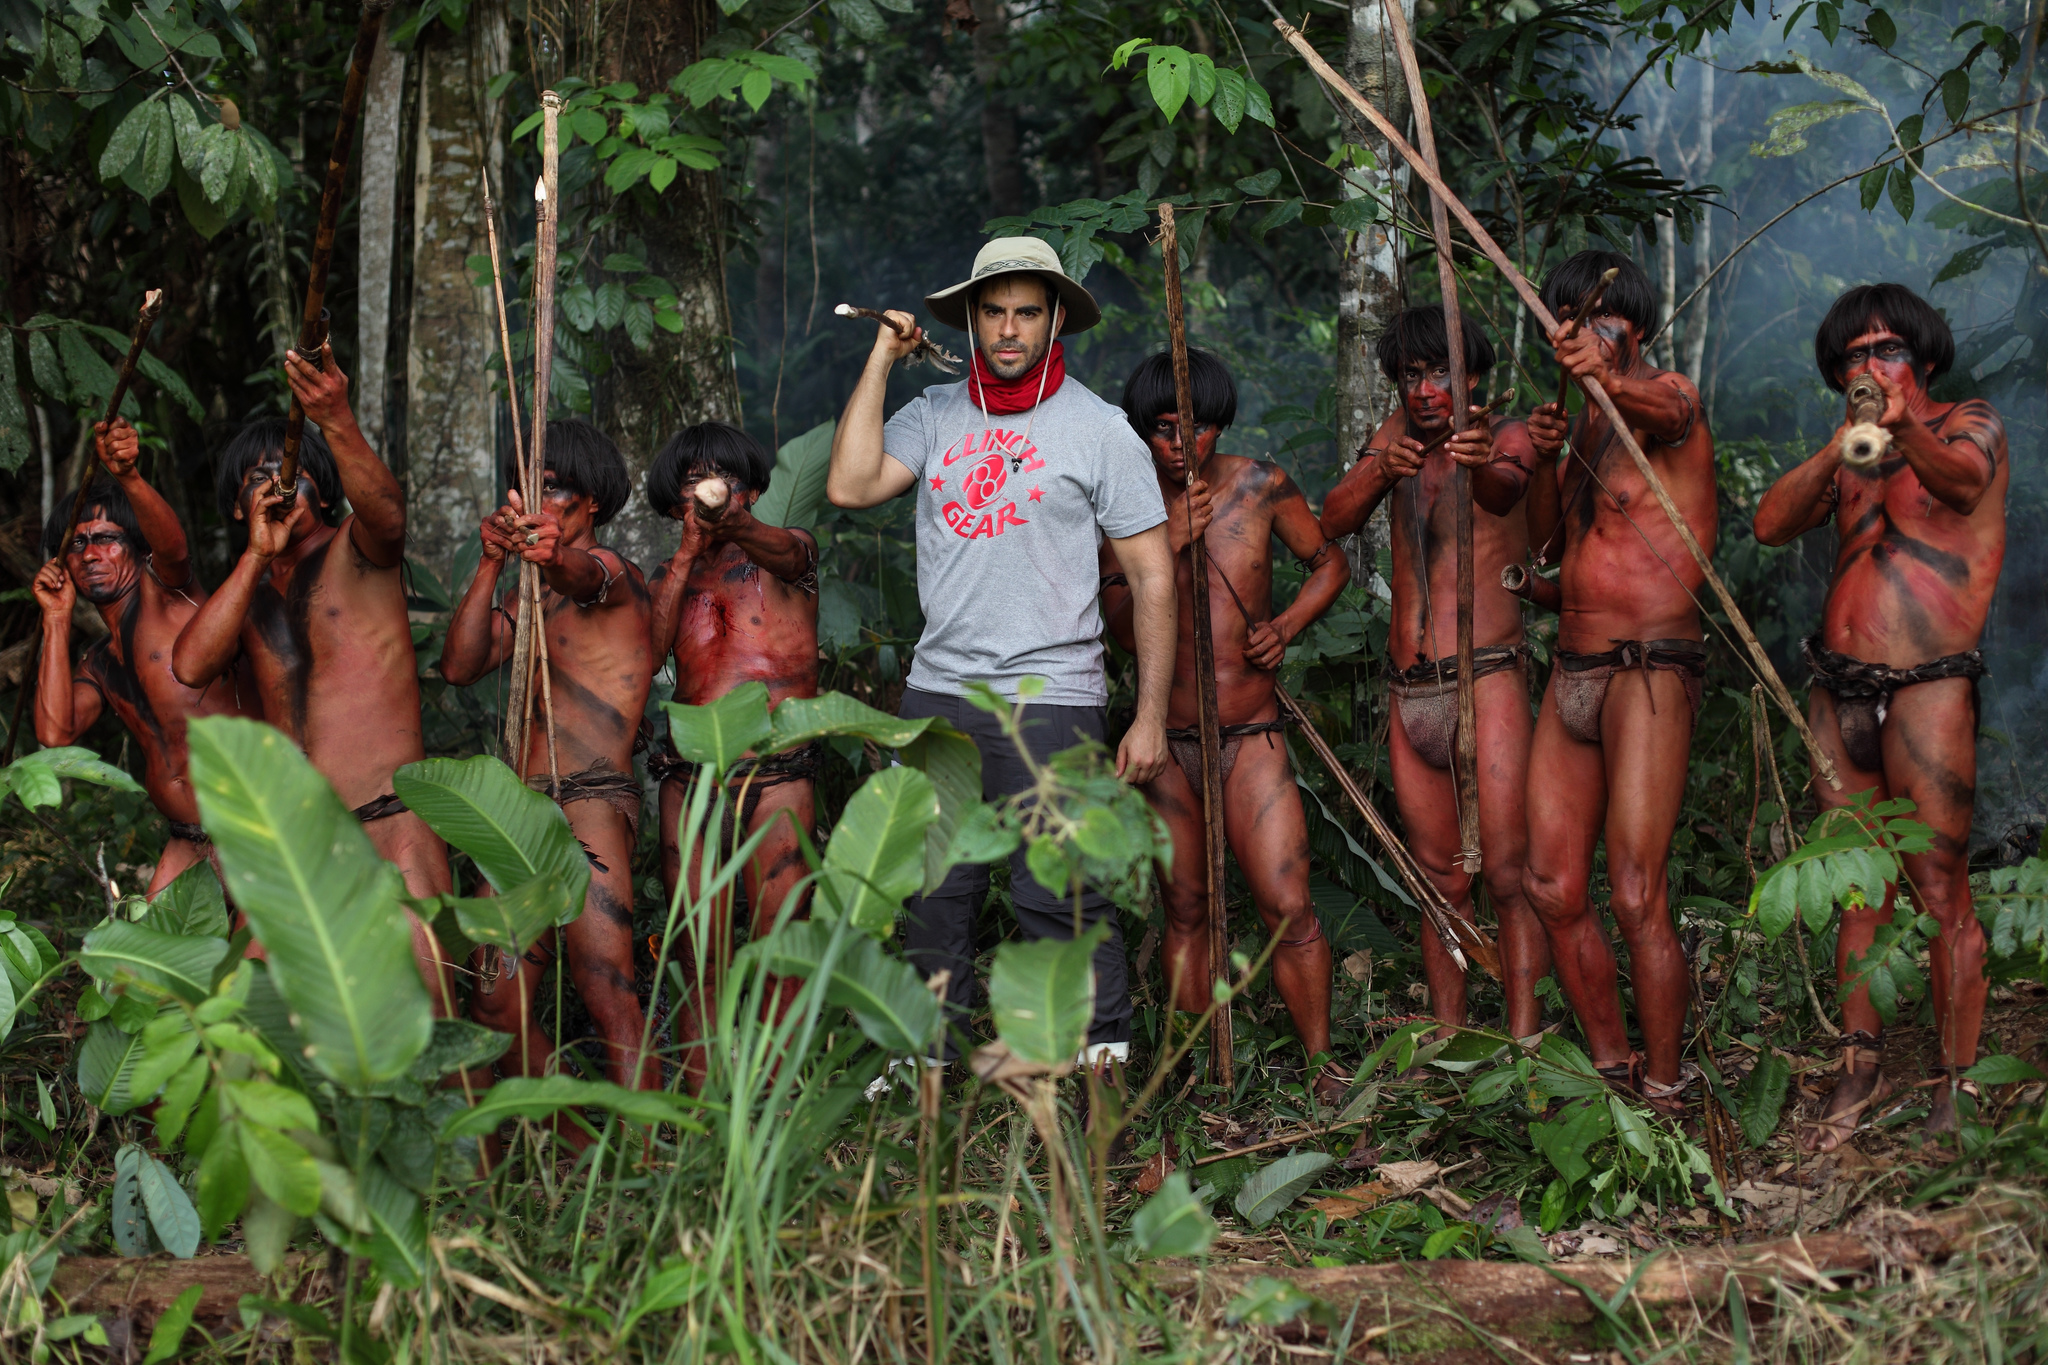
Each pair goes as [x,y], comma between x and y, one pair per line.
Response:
[1332,1084]
[1862,1086]
[1942,1119]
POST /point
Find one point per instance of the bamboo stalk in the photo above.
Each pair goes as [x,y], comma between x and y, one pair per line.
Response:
[152,305]
[1766,671]
[547,199]
[1465,745]
[1222,1061]
[313,321]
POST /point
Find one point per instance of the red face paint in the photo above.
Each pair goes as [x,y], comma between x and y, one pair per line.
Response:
[1426,394]
[1884,352]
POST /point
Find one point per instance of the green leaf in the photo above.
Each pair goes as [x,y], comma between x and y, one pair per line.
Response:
[273,1106]
[399,1246]
[1871,187]
[120,952]
[875,858]
[1775,901]
[223,1182]
[515,920]
[320,900]
[796,493]
[192,904]
[537,1097]
[129,1221]
[1172,1222]
[185,122]
[799,720]
[164,1057]
[106,1062]
[14,442]
[953,763]
[757,85]
[672,1286]
[1258,105]
[169,1334]
[181,1092]
[81,765]
[1901,189]
[1166,76]
[2002,1069]
[171,1215]
[1566,1140]
[281,1168]
[860,18]
[458,1045]
[1630,1127]
[1042,996]
[722,732]
[892,1005]
[1266,1301]
[151,173]
[1276,1186]
[590,125]
[1228,105]
[513,833]
[1955,94]
[126,143]
[1762,1097]
[1789,125]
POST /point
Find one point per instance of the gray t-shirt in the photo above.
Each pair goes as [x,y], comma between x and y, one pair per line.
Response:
[1007,530]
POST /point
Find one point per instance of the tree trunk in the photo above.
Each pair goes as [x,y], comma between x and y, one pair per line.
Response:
[451,447]
[686,377]
[383,101]
[1369,276]
[1702,164]
[1001,157]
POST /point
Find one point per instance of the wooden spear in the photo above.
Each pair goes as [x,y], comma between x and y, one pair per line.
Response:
[547,199]
[313,321]
[522,634]
[1465,750]
[1765,670]
[152,305]
[1222,1061]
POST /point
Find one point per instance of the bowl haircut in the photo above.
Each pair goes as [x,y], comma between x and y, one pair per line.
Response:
[718,446]
[1419,334]
[1894,308]
[584,461]
[104,497]
[1150,391]
[254,444]
[1630,296]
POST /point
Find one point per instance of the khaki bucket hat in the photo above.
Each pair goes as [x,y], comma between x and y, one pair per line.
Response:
[1012,256]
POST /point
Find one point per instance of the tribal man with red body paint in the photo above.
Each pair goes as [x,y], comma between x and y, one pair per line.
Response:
[1414,353]
[736,603]
[130,559]
[316,604]
[1614,732]
[594,607]
[1920,539]
[1239,506]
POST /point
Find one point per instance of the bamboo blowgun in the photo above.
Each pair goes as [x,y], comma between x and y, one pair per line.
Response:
[313,322]
[152,306]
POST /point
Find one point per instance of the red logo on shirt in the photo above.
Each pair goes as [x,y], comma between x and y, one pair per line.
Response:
[1002,453]
[985,480]
[967,527]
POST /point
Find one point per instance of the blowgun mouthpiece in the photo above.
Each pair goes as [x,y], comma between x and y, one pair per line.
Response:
[1865,442]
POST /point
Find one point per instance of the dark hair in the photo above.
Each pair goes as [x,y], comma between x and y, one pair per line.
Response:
[1630,296]
[1149,391]
[255,443]
[585,461]
[708,445]
[1900,310]
[1419,334]
[105,496]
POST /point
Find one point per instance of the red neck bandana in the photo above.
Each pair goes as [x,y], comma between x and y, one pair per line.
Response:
[1005,396]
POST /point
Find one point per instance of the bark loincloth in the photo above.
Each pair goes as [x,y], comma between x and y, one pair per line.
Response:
[620,791]
[1582,679]
[377,807]
[191,834]
[1426,698]
[1186,746]
[1863,693]
[753,775]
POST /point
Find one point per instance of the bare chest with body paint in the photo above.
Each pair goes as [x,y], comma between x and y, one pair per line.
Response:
[740,623]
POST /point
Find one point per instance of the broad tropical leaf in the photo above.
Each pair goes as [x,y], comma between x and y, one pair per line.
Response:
[183,965]
[722,732]
[892,1005]
[323,904]
[953,763]
[800,720]
[1172,1222]
[106,1061]
[537,1097]
[1042,996]
[192,904]
[1278,1185]
[512,832]
[796,494]
[876,855]
[514,920]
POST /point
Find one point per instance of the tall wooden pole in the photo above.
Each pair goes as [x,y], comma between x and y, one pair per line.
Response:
[518,702]
[1222,1062]
[1465,753]
[152,305]
[547,196]
[1765,670]
[313,321]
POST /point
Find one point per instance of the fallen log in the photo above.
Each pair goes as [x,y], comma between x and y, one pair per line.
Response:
[141,1290]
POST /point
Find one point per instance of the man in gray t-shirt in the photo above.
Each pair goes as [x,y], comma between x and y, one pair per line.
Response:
[1019,472]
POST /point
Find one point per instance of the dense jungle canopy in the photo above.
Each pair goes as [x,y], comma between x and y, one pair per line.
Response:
[730,173]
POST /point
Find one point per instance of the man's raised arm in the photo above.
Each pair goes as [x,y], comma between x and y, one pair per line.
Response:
[207,645]
[1662,404]
[1148,567]
[170,556]
[479,636]
[1547,429]
[372,490]
[65,706]
[862,474]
